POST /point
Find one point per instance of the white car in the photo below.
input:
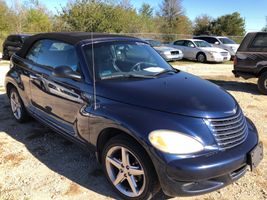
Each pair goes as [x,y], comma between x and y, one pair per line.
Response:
[221,42]
[168,53]
[201,51]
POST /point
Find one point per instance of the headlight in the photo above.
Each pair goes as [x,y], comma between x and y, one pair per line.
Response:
[213,52]
[174,142]
[166,52]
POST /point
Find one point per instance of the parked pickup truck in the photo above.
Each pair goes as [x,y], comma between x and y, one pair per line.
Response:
[251,59]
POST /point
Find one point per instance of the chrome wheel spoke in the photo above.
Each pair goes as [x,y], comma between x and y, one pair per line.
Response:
[120,177]
[136,171]
[124,156]
[114,162]
[132,184]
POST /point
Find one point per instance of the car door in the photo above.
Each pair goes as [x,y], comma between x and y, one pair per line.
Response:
[58,101]
[189,50]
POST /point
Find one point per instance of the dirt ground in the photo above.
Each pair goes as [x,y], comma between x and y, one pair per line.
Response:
[36,163]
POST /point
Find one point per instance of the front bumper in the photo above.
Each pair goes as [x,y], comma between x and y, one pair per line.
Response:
[218,58]
[203,174]
[175,57]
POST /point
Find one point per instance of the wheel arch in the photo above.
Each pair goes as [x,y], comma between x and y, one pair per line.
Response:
[201,52]
[262,70]
[108,133]
[9,86]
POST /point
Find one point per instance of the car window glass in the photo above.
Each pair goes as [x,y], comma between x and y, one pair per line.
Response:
[179,43]
[34,52]
[54,54]
[116,59]
[189,44]
[211,40]
[260,41]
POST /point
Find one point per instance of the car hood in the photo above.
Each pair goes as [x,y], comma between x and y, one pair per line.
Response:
[165,48]
[181,93]
[209,49]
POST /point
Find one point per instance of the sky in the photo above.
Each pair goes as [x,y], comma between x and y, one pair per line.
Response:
[254,11]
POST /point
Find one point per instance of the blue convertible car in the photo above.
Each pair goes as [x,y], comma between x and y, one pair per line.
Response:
[152,127]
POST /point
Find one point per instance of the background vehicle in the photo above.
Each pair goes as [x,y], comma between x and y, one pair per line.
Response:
[251,59]
[168,53]
[150,125]
[221,42]
[201,51]
[12,44]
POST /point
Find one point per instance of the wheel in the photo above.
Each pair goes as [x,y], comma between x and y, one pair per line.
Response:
[129,169]
[201,57]
[5,55]
[262,83]
[17,106]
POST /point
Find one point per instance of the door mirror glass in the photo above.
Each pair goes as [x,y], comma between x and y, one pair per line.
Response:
[217,43]
[66,72]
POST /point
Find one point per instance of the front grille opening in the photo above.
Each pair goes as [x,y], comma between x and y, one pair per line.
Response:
[237,173]
[229,132]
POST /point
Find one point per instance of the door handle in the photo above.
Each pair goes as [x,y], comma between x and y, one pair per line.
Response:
[33,77]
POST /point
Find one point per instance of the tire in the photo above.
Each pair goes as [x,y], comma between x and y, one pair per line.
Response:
[146,181]
[5,55]
[262,83]
[17,107]
[201,57]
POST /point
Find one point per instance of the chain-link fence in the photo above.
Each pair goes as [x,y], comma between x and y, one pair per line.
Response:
[165,38]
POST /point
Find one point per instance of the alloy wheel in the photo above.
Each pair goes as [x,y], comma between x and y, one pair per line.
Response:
[201,58]
[15,105]
[125,171]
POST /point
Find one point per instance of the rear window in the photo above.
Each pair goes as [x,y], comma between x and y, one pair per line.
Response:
[260,41]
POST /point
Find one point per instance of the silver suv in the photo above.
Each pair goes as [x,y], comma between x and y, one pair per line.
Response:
[221,42]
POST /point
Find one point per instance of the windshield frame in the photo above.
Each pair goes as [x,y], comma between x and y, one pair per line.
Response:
[122,40]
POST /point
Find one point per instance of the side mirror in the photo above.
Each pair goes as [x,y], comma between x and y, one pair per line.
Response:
[66,72]
[217,43]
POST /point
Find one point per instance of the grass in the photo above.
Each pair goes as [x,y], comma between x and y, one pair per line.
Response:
[188,62]
[2,89]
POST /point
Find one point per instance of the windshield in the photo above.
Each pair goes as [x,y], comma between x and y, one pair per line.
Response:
[202,44]
[154,43]
[124,60]
[227,41]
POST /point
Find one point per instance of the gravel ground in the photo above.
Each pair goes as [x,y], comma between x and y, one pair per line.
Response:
[36,163]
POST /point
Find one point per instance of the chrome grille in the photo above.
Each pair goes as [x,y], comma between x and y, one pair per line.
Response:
[229,132]
[174,52]
[224,53]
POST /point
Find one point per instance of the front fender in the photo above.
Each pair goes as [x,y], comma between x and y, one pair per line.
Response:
[139,122]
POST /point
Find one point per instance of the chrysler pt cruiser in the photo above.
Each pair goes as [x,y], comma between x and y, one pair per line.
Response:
[152,127]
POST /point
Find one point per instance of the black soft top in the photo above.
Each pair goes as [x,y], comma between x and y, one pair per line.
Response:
[67,37]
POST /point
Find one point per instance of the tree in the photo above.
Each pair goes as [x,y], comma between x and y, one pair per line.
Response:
[170,11]
[37,20]
[6,17]
[231,24]
[146,10]
[99,16]
[202,25]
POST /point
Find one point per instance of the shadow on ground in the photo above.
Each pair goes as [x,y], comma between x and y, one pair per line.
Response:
[236,86]
[57,153]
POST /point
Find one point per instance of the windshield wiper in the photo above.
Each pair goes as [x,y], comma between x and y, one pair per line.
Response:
[126,76]
[166,71]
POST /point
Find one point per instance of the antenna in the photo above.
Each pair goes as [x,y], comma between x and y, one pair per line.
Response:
[93,65]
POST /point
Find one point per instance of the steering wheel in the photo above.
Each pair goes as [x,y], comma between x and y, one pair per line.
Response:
[137,67]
